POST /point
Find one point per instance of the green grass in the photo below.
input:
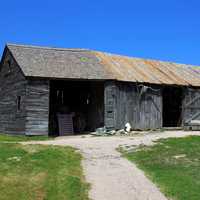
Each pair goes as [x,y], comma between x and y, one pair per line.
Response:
[36,172]
[20,138]
[173,164]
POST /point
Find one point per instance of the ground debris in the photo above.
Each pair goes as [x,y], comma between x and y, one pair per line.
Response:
[104,132]
[179,156]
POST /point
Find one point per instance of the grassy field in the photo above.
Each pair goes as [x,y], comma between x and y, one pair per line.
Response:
[173,164]
[36,172]
[13,138]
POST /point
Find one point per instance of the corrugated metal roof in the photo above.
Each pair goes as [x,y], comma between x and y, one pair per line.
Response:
[87,64]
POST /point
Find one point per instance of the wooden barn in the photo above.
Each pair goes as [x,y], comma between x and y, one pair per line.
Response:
[64,91]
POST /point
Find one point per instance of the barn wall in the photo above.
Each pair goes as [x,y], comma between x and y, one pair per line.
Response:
[12,86]
[110,105]
[191,109]
[125,102]
[37,107]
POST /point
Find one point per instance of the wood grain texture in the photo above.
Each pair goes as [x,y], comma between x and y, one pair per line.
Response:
[124,103]
[12,85]
[191,108]
[110,105]
[37,107]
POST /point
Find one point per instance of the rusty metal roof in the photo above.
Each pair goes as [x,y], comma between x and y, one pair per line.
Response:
[87,64]
[150,71]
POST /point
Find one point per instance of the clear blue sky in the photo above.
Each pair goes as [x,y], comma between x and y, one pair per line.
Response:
[165,30]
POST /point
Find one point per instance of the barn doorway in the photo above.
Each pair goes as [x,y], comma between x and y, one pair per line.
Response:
[172,106]
[75,106]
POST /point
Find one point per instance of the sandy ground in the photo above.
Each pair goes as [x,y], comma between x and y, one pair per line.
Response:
[111,176]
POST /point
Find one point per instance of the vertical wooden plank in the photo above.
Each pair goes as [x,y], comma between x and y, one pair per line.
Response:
[142,112]
[12,88]
[191,109]
[110,105]
[37,107]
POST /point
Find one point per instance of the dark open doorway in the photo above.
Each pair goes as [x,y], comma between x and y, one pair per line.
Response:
[81,101]
[172,106]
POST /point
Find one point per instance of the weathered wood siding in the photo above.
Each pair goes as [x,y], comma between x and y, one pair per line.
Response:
[124,103]
[12,86]
[37,107]
[110,105]
[150,109]
[191,109]
[32,117]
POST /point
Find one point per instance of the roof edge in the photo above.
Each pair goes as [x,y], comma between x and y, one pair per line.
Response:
[48,48]
[13,57]
[91,50]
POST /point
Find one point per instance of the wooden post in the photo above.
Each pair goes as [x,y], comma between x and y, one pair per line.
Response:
[110,98]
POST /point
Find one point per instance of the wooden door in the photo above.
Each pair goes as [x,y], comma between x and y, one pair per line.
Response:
[191,109]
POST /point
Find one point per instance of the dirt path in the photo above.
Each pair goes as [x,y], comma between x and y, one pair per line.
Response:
[111,176]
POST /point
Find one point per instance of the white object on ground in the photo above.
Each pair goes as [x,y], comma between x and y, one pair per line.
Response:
[127,127]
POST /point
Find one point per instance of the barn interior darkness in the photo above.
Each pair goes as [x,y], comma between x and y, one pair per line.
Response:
[172,106]
[83,100]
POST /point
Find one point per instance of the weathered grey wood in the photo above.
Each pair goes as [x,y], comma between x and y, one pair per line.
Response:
[191,108]
[124,103]
[192,101]
[110,112]
[37,107]
[12,85]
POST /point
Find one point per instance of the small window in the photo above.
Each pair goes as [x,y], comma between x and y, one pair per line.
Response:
[18,103]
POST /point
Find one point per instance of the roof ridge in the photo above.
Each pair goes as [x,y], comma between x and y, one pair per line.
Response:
[104,52]
[48,48]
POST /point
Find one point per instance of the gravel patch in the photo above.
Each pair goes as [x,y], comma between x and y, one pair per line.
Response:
[112,177]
